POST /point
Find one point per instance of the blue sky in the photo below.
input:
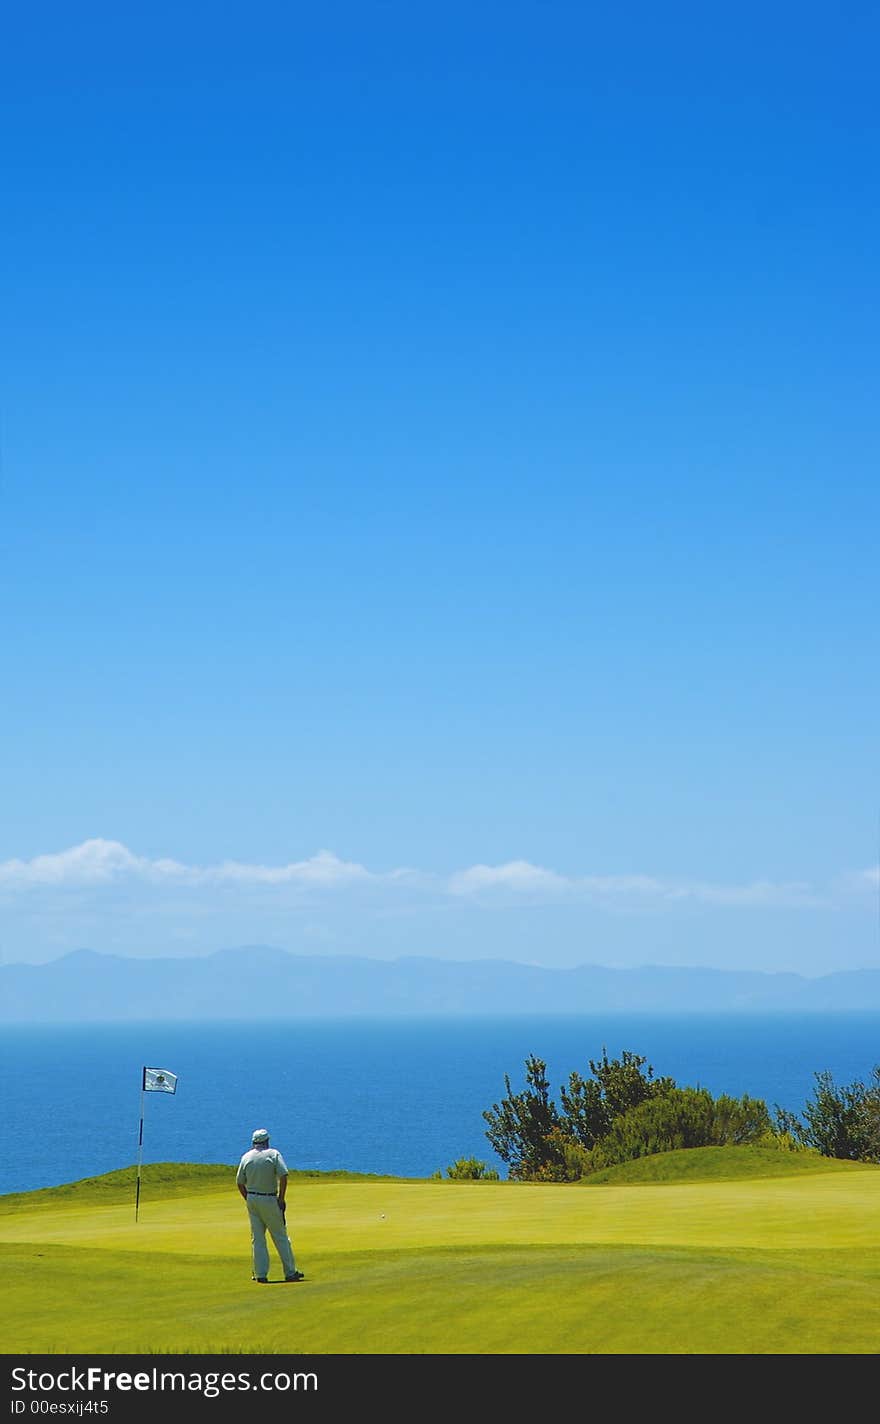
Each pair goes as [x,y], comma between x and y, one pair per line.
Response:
[439,501]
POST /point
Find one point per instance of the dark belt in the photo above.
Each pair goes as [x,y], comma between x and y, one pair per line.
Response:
[262,1194]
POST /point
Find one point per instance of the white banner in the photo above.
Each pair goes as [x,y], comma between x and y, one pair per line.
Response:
[159,1080]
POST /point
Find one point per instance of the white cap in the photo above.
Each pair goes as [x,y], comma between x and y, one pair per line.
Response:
[260,1135]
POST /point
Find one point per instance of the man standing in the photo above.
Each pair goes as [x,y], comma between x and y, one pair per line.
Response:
[262,1182]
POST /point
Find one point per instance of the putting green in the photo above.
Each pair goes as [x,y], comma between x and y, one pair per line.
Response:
[816,1211]
[788,1264]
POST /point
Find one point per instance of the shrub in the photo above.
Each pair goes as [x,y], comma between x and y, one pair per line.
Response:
[469,1169]
[681,1117]
[783,1141]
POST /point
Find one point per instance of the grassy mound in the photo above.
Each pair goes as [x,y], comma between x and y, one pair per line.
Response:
[162,1180]
[166,1180]
[720,1164]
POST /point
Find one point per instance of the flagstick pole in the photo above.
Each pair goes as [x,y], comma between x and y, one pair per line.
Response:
[140,1147]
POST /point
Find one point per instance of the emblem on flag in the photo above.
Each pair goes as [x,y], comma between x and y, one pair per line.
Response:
[159,1080]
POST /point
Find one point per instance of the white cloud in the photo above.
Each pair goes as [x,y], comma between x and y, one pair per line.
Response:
[95,862]
[325,868]
[870,877]
[860,882]
[101,862]
[98,862]
[515,875]
[523,878]
[764,893]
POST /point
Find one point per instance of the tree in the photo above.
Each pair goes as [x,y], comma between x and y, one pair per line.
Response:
[617,1085]
[538,1140]
[842,1122]
[520,1125]
[619,1112]
[872,1114]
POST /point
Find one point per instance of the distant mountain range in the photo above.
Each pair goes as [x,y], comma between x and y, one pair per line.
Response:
[258,982]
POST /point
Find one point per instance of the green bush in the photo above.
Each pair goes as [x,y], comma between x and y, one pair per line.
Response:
[681,1117]
[469,1169]
[784,1141]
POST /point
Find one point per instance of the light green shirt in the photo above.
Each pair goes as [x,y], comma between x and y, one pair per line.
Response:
[261,1169]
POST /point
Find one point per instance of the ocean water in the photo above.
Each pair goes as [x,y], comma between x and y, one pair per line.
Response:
[376,1096]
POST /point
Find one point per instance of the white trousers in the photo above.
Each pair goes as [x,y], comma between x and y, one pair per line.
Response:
[265,1215]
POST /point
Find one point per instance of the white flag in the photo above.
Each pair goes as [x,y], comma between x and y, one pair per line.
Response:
[159,1080]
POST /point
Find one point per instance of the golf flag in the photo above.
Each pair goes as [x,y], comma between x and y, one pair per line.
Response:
[159,1080]
[153,1080]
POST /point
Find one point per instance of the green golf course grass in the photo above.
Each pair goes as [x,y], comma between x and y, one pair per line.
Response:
[706,1251]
